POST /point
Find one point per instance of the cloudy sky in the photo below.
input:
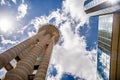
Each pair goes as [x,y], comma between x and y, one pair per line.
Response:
[74,57]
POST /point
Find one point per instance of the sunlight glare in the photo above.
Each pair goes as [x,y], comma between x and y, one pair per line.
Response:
[5,24]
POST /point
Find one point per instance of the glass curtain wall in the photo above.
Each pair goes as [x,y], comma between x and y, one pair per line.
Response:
[104,45]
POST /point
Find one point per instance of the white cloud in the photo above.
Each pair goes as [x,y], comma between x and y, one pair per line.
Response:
[76,10]
[59,17]
[1,49]
[2,2]
[23,1]
[105,60]
[31,33]
[14,1]
[99,77]
[22,11]
[40,21]
[5,41]
[9,42]
[73,57]
[6,2]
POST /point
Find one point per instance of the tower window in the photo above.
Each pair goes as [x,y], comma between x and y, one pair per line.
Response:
[17,58]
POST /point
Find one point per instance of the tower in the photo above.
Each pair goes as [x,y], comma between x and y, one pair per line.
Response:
[32,55]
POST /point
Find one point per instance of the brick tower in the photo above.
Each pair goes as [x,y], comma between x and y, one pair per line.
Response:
[32,55]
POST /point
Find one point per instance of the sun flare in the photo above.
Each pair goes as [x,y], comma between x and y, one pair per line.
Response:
[5,24]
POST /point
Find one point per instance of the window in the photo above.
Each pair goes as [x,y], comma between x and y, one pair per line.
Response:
[13,63]
[104,45]
[3,71]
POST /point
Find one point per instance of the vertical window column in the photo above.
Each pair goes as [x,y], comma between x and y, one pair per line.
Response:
[42,70]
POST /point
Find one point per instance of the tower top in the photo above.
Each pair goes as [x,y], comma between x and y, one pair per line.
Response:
[52,30]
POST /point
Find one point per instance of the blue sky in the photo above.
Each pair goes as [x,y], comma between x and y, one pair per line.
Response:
[77,45]
[91,32]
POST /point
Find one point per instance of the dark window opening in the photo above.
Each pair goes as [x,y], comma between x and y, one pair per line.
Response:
[37,40]
[31,76]
[8,67]
[36,67]
[17,59]
[47,45]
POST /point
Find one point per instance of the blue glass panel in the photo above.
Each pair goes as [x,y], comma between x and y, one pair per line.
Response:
[87,1]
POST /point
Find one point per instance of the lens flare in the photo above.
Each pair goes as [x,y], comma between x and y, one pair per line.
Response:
[5,24]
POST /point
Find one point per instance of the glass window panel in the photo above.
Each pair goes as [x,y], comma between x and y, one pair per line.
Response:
[34,72]
[3,71]
[13,63]
[104,49]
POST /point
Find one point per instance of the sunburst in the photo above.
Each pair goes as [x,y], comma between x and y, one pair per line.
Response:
[5,24]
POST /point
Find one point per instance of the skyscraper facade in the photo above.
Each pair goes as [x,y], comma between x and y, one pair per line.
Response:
[107,14]
[31,56]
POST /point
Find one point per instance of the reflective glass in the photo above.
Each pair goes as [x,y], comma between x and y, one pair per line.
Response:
[13,63]
[104,45]
[3,71]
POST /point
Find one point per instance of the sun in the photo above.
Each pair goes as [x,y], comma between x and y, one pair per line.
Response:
[5,24]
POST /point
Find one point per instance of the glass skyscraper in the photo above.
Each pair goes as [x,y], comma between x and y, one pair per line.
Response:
[108,56]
